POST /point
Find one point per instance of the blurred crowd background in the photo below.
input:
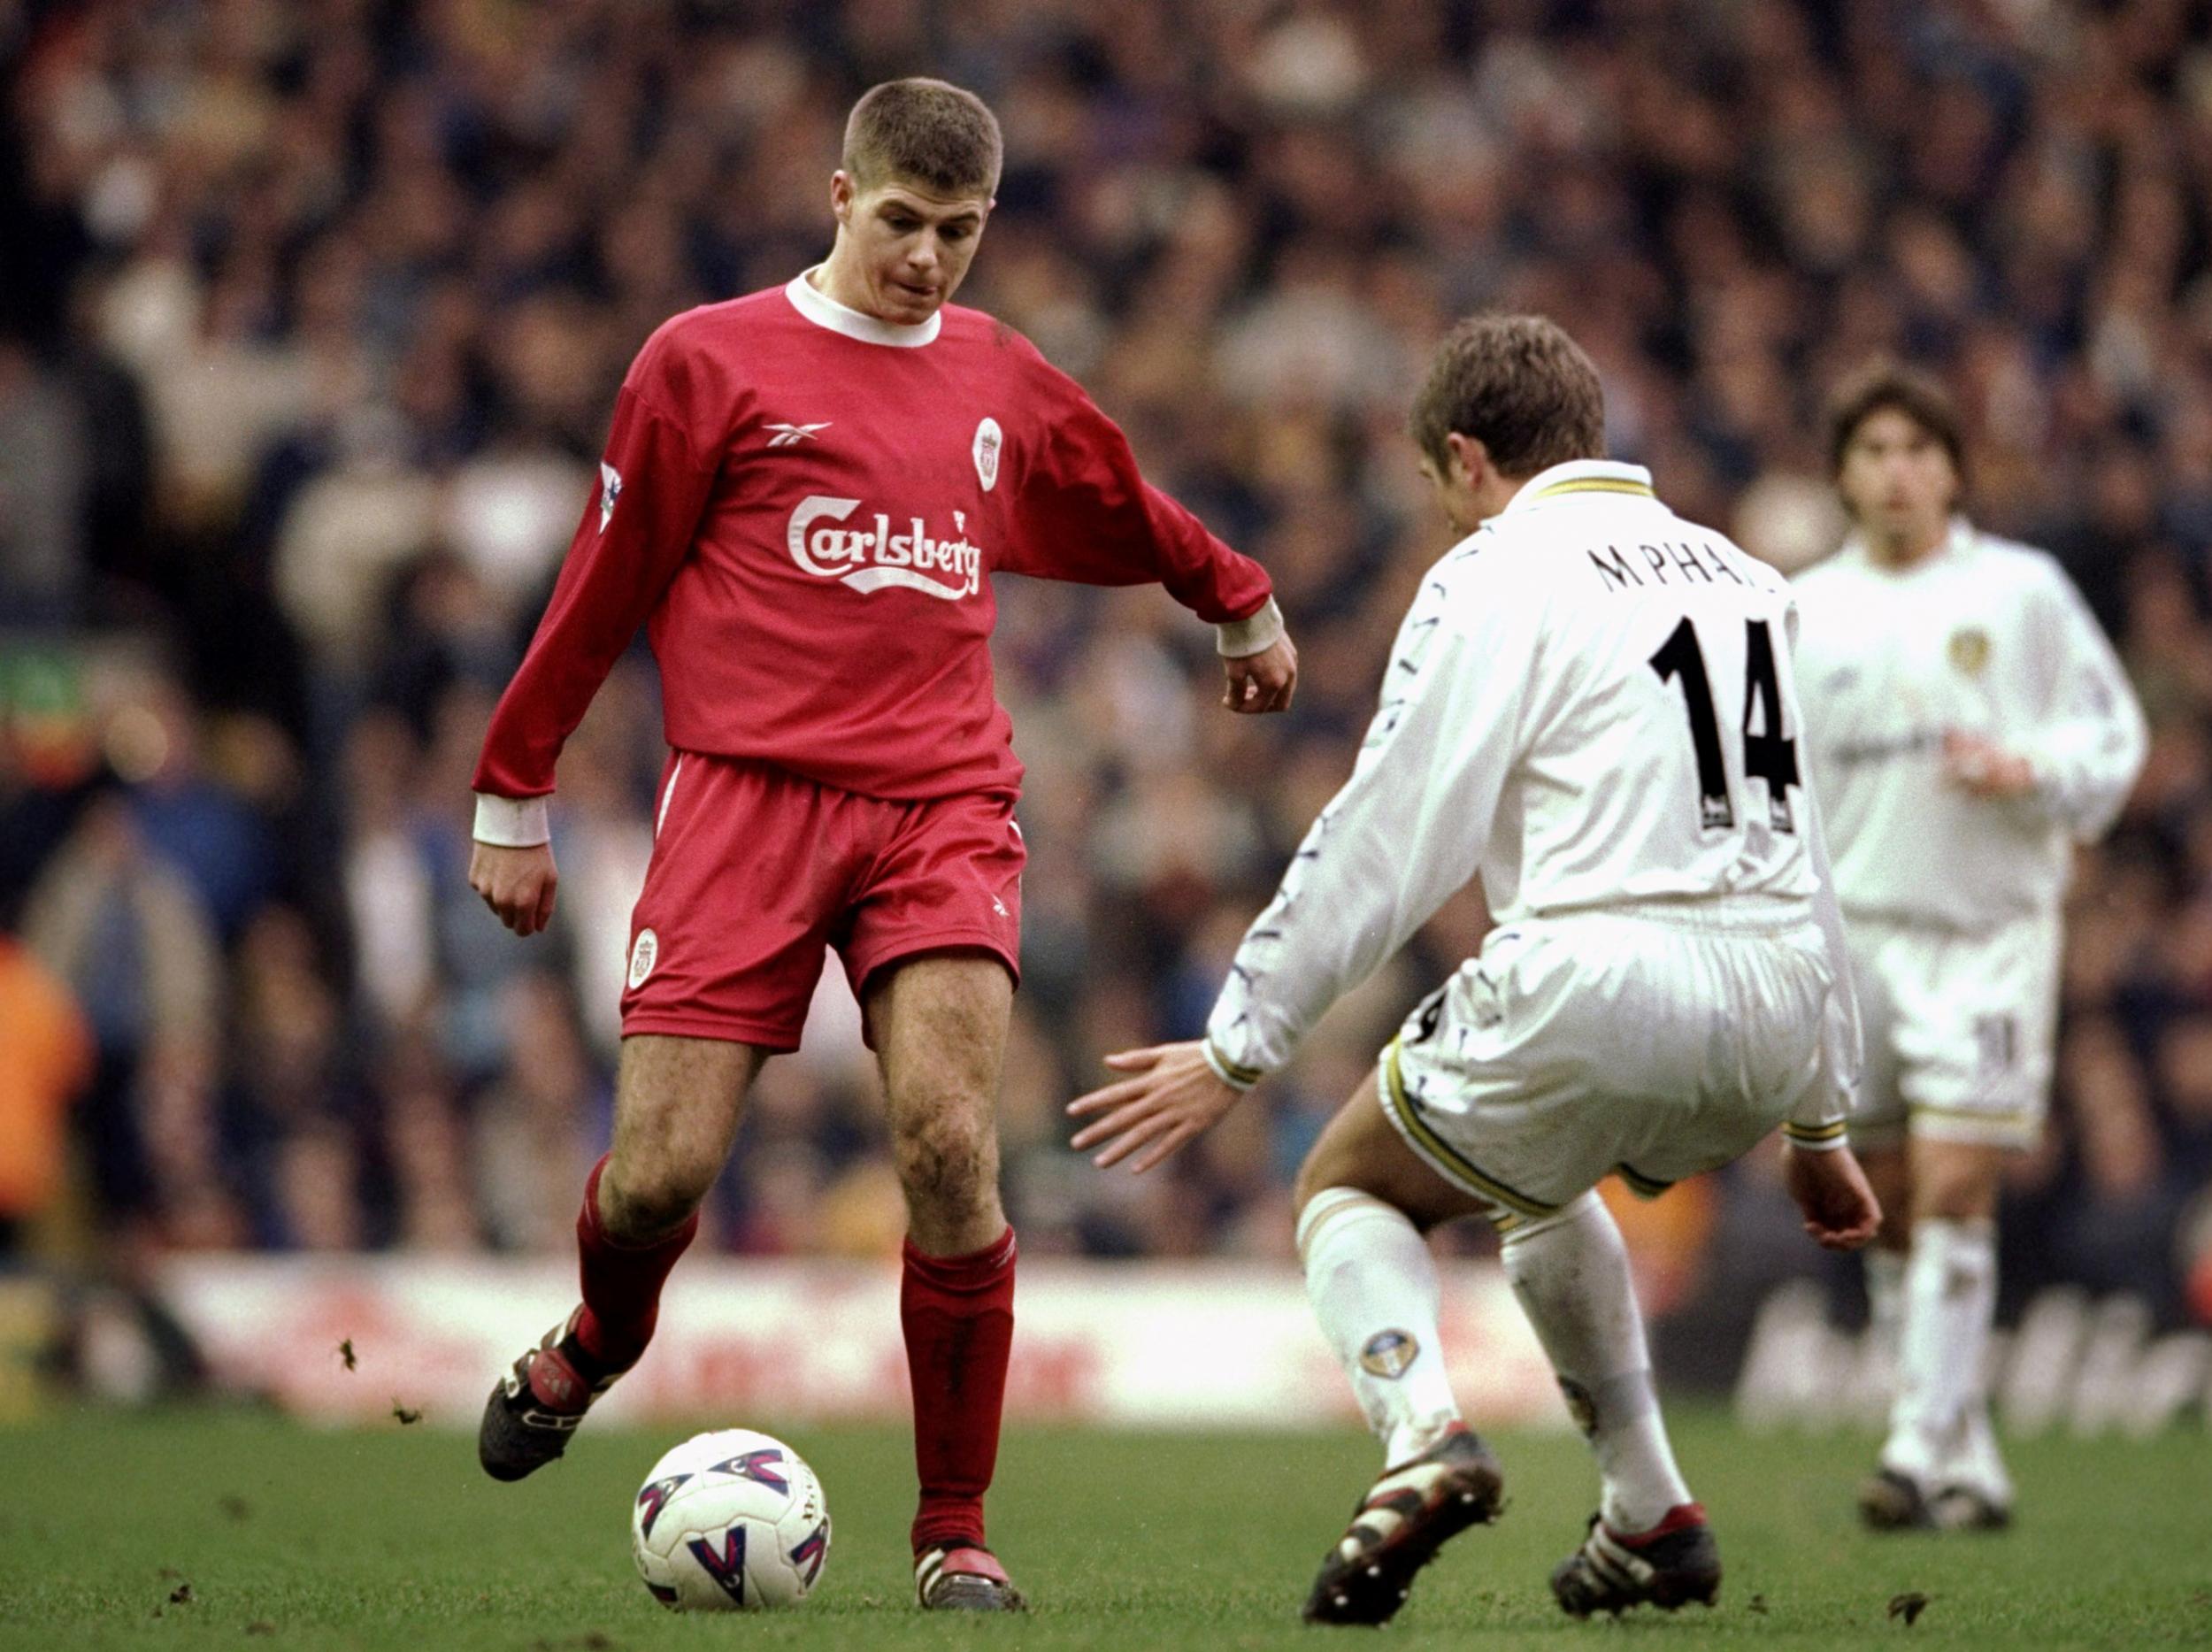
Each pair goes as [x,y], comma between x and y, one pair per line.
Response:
[311,316]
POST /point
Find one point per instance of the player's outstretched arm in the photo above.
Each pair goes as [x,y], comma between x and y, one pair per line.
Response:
[1265,681]
[517,883]
[1175,1097]
[1831,1193]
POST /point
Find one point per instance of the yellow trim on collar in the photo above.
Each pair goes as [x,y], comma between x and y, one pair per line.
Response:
[1593,485]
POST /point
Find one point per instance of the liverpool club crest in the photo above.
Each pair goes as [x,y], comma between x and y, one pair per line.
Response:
[988,439]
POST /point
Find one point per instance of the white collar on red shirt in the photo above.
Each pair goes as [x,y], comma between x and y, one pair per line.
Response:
[824,312]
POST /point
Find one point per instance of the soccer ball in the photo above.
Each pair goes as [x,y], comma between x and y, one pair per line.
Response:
[730,1521]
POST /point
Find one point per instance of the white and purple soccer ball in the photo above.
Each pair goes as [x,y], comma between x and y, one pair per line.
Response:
[730,1521]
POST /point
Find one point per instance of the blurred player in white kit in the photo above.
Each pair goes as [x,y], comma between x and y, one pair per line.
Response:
[1967,724]
[1591,704]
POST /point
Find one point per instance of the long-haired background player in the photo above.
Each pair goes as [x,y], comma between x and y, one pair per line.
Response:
[1968,724]
[803,496]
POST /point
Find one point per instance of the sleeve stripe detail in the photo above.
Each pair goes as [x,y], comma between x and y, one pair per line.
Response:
[1642,1186]
[1230,1072]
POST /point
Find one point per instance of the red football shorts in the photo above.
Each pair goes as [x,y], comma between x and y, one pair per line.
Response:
[755,870]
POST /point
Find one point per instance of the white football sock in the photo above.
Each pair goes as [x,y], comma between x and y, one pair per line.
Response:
[1373,1286]
[1571,1271]
[1978,1464]
[1877,1384]
[1884,1303]
[1950,1296]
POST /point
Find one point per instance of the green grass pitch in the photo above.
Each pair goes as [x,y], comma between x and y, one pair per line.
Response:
[392,1537]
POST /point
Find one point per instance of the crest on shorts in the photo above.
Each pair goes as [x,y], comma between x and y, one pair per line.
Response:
[1389,1353]
[645,952]
[989,439]
[1969,649]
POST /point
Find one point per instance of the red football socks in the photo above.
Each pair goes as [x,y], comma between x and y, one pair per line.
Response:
[622,1284]
[958,1316]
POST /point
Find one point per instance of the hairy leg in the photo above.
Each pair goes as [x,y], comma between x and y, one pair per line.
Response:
[939,1026]
[677,1102]
[676,1108]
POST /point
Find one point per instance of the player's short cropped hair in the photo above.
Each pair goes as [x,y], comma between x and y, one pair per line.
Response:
[925,132]
[1886,385]
[1519,385]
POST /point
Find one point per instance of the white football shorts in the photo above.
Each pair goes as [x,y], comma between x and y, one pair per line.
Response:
[1959,1031]
[1659,1041]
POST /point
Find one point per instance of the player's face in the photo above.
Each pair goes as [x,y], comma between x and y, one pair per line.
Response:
[910,249]
[1897,480]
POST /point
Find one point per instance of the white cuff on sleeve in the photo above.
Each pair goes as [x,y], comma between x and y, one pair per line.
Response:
[1235,1077]
[512,822]
[1254,634]
[1822,1138]
[1805,1144]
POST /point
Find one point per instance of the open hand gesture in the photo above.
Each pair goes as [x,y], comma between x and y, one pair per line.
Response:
[1174,1098]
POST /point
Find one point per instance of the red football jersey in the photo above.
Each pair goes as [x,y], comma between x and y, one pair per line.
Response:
[807,504]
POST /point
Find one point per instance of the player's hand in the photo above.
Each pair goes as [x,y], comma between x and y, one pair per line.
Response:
[1984,767]
[1262,681]
[1831,1193]
[1174,1098]
[517,883]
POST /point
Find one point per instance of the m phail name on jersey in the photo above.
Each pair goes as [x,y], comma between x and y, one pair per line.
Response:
[1684,562]
[868,556]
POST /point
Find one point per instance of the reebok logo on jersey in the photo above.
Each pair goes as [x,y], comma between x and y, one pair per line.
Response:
[791,436]
[610,490]
[870,557]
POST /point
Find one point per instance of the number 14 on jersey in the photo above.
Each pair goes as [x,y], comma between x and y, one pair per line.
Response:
[1769,754]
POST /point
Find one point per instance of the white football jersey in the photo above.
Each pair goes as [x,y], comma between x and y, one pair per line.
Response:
[1982,635]
[1591,702]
